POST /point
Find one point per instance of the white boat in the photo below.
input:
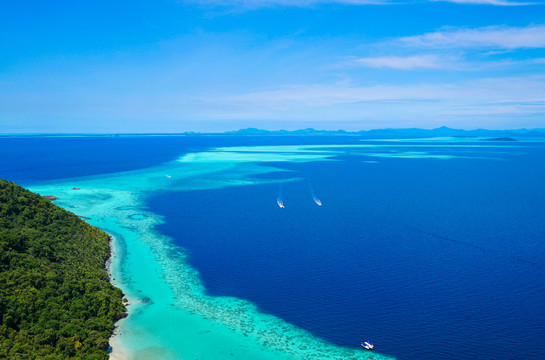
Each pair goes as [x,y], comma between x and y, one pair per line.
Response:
[367,345]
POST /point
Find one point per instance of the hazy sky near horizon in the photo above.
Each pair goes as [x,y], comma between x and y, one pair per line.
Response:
[216,65]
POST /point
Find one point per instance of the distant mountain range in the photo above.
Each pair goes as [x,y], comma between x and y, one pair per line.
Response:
[371,134]
[400,133]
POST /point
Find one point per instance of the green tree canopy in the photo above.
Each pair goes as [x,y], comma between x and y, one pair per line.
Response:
[56,300]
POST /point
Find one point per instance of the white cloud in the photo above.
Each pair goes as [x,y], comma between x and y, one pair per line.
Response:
[483,93]
[401,62]
[486,37]
[493,103]
[487,2]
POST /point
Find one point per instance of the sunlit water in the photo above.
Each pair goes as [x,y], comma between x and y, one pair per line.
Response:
[230,248]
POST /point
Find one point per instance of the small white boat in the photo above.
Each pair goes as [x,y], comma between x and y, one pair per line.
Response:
[367,345]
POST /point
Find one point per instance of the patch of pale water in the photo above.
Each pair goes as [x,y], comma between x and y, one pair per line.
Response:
[171,317]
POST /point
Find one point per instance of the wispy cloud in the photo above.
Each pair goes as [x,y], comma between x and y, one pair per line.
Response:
[459,49]
[493,102]
[487,37]
[304,3]
[488,2]
[487,95]
[401,62]
[296,3]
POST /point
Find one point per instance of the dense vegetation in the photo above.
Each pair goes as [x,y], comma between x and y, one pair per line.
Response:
[56,301]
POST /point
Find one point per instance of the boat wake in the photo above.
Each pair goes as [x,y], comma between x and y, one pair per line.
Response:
[313,194]
[280,197]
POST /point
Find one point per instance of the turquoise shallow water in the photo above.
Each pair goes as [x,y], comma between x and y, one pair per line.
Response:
[445,234]
[171,317]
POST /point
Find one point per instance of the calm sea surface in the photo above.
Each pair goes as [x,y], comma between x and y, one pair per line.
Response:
[431,252]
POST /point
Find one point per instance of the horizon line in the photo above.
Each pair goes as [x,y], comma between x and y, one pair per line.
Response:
[238,132]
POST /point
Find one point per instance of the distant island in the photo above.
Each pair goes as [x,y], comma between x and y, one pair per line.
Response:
[399,133]
[498,135]
[56,299]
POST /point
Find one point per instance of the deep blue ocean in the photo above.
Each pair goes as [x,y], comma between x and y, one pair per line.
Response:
[428,258]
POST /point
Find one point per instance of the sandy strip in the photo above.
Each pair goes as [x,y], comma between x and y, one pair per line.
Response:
[113,268]
[118,352]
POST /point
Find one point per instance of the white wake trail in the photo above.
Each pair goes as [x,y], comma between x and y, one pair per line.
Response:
[313,194]
[280,197]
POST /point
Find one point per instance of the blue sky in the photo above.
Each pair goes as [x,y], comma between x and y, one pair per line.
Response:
[217,65]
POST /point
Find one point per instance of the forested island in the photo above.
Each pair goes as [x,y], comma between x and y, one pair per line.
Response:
[56,299]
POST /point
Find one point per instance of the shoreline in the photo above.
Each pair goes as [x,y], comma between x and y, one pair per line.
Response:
[117,351]
[171,316]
